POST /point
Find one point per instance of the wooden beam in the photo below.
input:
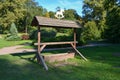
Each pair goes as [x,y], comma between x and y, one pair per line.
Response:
[74,37]
[55,43]
[39,38]
[43,62]
[39,57]
[78,52]
[40,51]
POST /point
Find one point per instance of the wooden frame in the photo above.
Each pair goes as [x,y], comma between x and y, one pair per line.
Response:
[41,46]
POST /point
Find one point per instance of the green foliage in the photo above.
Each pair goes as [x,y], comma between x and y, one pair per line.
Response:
[11,11]
[112,33]
[90,32]
[47,34]
[94,10]
[52,14]
[13,33]
[33,9]
[70,14]
[13,38]
[13,29]
[106,14]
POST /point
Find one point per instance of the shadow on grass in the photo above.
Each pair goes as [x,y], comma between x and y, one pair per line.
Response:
[103,54]
[15,68]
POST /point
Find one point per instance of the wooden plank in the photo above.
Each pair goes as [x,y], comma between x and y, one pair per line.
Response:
[55,43]
[79,53]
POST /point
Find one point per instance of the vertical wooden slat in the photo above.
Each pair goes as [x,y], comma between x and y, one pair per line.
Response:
[74,37]
[39,33]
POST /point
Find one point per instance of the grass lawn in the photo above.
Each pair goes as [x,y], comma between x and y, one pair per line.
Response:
[103,64]
[4,43]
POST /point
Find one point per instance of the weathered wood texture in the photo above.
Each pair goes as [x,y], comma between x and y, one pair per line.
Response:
[50,22]
[56,43]
[38,55]
[79,52]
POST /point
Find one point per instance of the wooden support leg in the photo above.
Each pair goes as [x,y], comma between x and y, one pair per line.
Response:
[42,61]
[78,52]
[40,50]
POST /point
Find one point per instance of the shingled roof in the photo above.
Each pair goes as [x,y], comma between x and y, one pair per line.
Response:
[49,22]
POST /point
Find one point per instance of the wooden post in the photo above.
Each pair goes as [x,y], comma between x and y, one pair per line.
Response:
[40,58]
[74,37]
[39,38]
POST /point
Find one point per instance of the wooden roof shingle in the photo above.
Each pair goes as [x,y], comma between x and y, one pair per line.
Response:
[49,22]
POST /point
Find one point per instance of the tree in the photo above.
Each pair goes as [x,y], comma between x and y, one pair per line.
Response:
[70,14]
[52,14]
[32,9]
[112,32]
[13,33]
[90,32]
[11,11]
[93,10]
[47,14]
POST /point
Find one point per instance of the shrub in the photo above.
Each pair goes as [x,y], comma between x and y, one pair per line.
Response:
[90,32]
[47,34]
[25,37]
[13,38]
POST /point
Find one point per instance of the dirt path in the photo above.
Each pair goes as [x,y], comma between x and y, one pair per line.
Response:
[15,49]
[19,49]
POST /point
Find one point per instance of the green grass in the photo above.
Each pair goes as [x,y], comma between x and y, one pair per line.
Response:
[103,64]
[4,43]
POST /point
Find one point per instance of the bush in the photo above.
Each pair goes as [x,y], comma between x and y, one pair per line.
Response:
[13,38]
[90,32]
[25,37]
[47,34]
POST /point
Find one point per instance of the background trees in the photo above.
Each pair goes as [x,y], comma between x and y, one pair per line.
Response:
[11,11]
[105,14]
[93,10]
[112,32]
[100,20]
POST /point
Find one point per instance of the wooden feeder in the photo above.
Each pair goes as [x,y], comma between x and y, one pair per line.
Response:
[55,23]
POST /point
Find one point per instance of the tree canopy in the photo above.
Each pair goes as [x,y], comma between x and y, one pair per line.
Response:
[11,11]
[106,15]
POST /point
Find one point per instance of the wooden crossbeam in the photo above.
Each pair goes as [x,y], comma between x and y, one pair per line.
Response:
[55,43]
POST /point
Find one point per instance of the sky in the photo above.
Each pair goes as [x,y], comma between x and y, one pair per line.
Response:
[51,5]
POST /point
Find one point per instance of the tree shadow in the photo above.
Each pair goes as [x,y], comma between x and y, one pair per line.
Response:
[103,54]
[18,66]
